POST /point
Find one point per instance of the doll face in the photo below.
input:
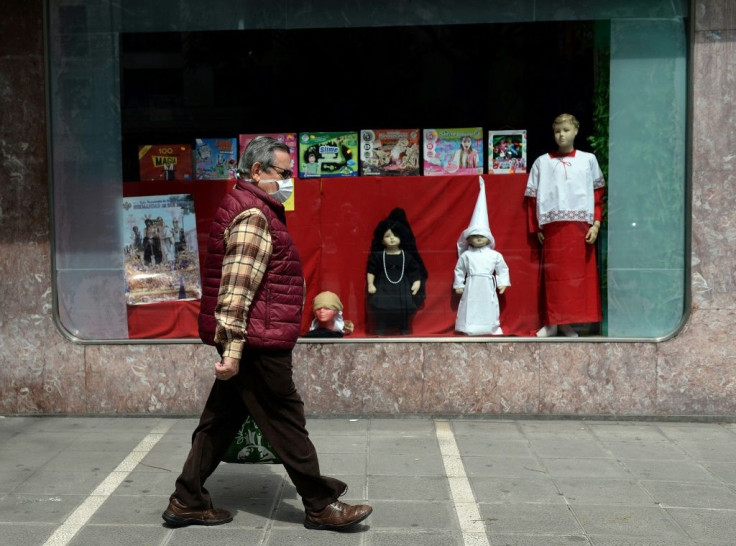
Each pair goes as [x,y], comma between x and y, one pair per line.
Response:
[466,143]
[565,134]
[325,315]
[391,241]
[478,241]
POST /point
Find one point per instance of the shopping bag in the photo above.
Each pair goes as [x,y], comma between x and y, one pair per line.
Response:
[250,446]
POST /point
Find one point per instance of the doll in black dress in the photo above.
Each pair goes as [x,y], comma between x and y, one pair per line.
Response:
[395,275]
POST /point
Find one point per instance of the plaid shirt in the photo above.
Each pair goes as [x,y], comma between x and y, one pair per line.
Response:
[248,249]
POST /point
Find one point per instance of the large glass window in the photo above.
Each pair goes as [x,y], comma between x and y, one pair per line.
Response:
[170,73]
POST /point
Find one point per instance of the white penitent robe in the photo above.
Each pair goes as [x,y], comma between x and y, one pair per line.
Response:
[478,312]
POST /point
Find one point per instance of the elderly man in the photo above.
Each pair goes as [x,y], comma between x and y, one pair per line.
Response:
[253,292]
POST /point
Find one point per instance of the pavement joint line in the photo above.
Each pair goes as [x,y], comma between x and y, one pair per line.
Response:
[82,514]
[466,507]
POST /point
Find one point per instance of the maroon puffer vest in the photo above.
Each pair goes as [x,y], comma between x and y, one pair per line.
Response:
[275,315]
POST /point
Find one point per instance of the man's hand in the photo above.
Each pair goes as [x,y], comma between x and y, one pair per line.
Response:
[226,368]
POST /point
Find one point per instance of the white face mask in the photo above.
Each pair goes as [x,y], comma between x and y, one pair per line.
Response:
[286,188]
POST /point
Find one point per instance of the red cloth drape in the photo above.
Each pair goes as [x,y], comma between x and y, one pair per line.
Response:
[333,224]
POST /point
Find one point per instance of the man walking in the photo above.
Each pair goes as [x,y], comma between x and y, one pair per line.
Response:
[252,298]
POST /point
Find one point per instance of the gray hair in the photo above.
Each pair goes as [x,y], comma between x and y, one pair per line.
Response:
[260,150]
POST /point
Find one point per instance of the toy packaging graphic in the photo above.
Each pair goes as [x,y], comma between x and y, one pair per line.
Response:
[328,154]
[453,151]
[216,158]
[287,138]
[388,152]
[507,151]
[160,254]
[165,162]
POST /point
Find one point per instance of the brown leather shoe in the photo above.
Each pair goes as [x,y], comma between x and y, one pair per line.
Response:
[337,516]
[178,515]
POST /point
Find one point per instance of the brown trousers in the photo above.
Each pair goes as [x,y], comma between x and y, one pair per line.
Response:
[264,388]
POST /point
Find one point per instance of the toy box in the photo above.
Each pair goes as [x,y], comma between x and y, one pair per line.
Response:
[216,158]
[507,151]
[328,154]
[388,152]
[453,151]
[165,162]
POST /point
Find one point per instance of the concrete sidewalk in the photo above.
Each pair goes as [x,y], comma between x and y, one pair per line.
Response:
[105,481]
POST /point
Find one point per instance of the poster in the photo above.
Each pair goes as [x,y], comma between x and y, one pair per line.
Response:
[161,261]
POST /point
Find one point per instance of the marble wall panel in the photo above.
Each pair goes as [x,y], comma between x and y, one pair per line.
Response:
[714,240]
[135,379]
[481,378]
[715,15]
[361,378]
[696,371]
[599,379]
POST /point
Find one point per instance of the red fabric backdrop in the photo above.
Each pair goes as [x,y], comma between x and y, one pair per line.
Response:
[333,226]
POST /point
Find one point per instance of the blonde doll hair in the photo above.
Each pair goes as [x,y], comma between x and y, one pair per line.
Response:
[562,118]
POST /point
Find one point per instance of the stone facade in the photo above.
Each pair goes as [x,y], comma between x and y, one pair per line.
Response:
[693,374]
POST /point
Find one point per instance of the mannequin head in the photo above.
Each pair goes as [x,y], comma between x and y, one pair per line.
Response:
[565,128]
[326,306]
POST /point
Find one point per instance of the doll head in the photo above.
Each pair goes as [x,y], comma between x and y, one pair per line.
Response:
[391,241]
[327,309]
[466,143]
[478,240]
[565,128]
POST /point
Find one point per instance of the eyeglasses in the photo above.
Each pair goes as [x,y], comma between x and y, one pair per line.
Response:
[283,173]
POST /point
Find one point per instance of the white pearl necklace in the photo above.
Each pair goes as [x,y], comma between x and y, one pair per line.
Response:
[385,272]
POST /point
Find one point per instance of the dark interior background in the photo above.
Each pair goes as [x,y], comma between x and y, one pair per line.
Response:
[178,86]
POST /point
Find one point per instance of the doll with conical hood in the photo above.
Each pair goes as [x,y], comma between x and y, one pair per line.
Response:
[480,272]
[395,276]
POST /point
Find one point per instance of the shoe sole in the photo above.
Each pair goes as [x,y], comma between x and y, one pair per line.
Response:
[328,527]
[178,521]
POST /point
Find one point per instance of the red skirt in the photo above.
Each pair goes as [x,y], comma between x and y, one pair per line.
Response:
[570,275]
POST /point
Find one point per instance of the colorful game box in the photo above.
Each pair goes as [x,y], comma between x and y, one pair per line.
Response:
[287,138]
[216,158]
[453,151]
[388,152]
[507,151]
[328,154]
[165,162]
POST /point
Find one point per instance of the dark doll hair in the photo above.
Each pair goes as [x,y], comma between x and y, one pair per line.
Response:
[399,224]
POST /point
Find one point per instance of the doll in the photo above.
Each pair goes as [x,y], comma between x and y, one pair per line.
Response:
[565,204]
[328,320]
[395,275]
[479,272]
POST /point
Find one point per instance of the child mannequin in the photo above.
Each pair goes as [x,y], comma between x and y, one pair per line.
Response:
[479,271]
[328,320]
[565,202]
[395,275]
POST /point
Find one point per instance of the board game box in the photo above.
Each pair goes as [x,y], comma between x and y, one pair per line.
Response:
[507,151]
[328,154]
[453,151]
[165,162]
[389,152]
[216,158]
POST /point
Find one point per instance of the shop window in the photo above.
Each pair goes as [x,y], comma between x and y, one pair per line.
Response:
[132,85]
